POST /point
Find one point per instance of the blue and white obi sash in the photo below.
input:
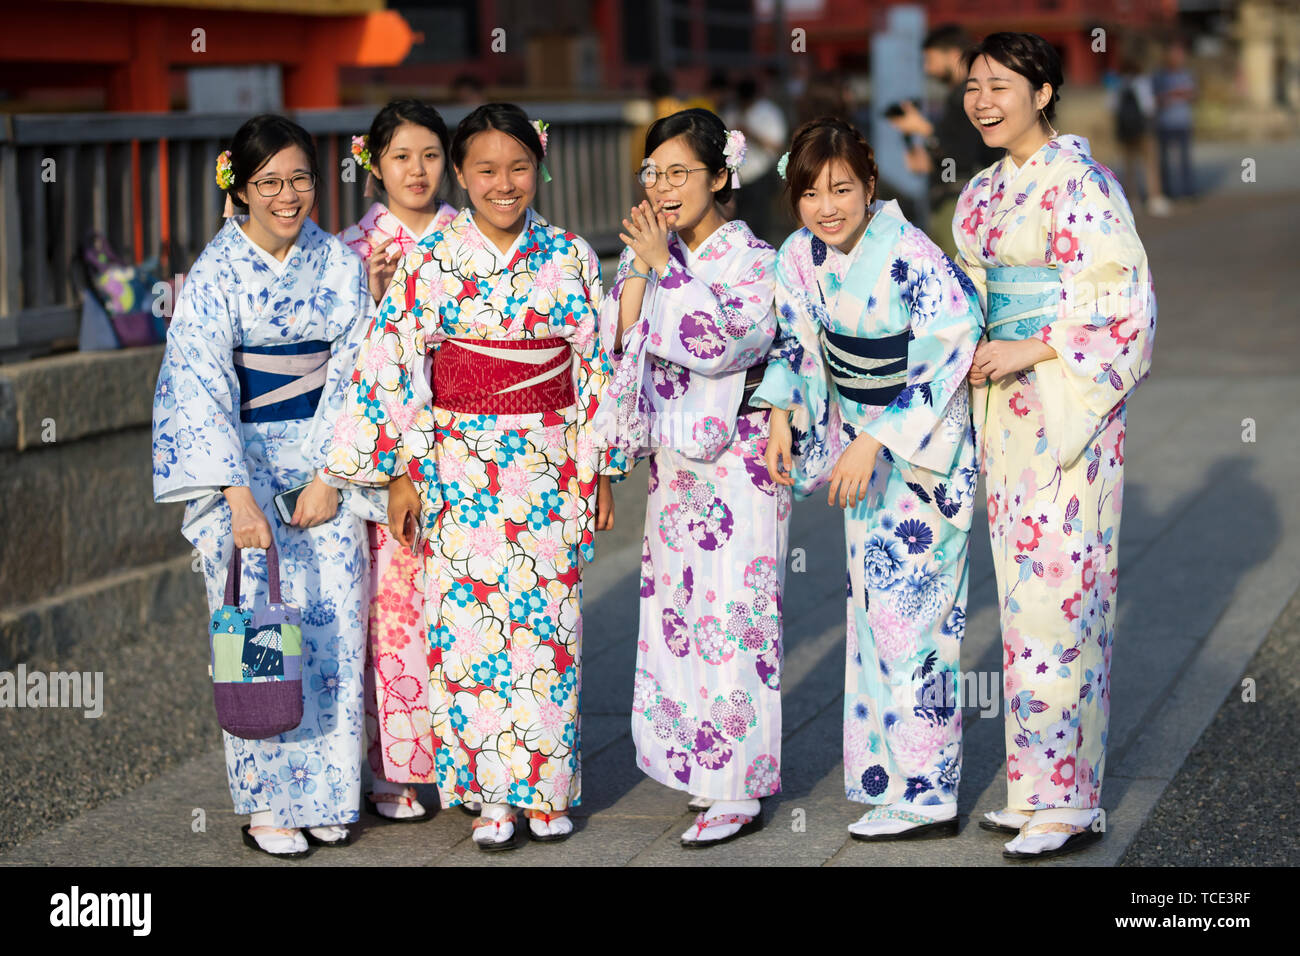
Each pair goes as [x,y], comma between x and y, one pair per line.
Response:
[1021,300]
[281,382]
[872,371]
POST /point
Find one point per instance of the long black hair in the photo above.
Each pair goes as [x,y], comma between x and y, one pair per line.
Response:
[257,141]
[505,117]
[706,134]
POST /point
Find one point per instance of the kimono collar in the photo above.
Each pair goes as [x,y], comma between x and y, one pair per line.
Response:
[378,210]
[886,216]
[306,236]
[532,223]
[1068,144]
[703,250]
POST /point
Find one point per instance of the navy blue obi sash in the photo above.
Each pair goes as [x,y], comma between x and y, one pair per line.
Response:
[281,382]
[1022,299]
[870,371]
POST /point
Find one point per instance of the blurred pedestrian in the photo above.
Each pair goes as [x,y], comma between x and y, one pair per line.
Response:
[467,89]
[949,150]
[765,129]
[1134,107]
[1175,92]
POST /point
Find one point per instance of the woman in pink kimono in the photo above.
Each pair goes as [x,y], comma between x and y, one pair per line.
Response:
[405,155]
[1048,239]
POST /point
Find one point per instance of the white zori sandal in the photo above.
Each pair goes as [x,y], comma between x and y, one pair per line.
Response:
[1004,821]
[495,829]
[548,827]
[396,802]
[723,821]
[1053,832]
[903,822]
[261,834]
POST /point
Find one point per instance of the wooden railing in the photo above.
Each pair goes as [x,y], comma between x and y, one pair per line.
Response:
[146,182]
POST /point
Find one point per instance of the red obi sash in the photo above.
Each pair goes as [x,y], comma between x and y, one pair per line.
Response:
[488,377]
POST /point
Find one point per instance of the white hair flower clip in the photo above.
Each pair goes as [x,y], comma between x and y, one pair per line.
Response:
[541,126]
[734,152]
[782,163]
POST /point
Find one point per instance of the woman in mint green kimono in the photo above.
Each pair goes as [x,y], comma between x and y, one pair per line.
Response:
[877,330]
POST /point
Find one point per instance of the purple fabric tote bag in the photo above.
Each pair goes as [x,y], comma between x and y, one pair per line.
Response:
[256,660]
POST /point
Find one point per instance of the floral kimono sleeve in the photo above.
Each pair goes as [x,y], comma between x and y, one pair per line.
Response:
[796,377]
[713,329]
[965,224]
[928,421]
[1104,329]
[197,445]
[607,314]
[592,373]
[386,426]
[347,325]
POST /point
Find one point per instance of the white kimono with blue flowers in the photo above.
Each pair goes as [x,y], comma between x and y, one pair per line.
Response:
[238,296]
[906,541]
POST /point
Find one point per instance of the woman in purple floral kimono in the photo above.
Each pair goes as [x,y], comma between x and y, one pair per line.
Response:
[691,310]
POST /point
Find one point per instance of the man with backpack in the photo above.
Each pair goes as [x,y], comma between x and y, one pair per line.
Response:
[1134,109]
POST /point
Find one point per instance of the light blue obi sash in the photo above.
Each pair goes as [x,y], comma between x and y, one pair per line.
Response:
[1021,300]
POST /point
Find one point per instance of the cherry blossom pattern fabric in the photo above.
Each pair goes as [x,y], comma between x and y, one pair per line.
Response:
[1052,449]
[399,742]
[507,502]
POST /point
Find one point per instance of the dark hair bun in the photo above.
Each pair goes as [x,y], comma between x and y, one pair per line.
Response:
[505,117]
[706,134]
[1027,54]
[257,141]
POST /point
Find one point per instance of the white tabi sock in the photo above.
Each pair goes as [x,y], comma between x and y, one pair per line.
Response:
[497,834]
[878,820]
[557,826]
[395,810]
[1007,818]
[720,831]
[288,841]
[1030,842]
[330,834]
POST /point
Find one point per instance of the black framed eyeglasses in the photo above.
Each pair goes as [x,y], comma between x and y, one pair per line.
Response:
[271,186]
[676,175]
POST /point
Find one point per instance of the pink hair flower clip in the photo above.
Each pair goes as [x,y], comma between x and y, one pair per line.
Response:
[734,152]
[542,126]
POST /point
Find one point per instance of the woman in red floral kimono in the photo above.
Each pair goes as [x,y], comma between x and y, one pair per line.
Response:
[495,474]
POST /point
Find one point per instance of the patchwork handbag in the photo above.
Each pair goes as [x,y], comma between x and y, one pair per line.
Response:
[257,659]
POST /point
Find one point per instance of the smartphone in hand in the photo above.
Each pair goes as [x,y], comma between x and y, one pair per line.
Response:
[287,501]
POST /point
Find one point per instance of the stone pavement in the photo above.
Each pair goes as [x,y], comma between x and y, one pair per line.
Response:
[1210,557]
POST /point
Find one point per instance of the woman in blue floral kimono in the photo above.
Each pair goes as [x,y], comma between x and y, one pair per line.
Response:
[692,308]
[259,354]
[868,387]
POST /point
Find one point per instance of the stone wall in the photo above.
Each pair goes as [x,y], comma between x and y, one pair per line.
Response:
[85,554]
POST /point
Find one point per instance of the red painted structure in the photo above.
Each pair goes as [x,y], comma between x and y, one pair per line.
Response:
[130,49]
